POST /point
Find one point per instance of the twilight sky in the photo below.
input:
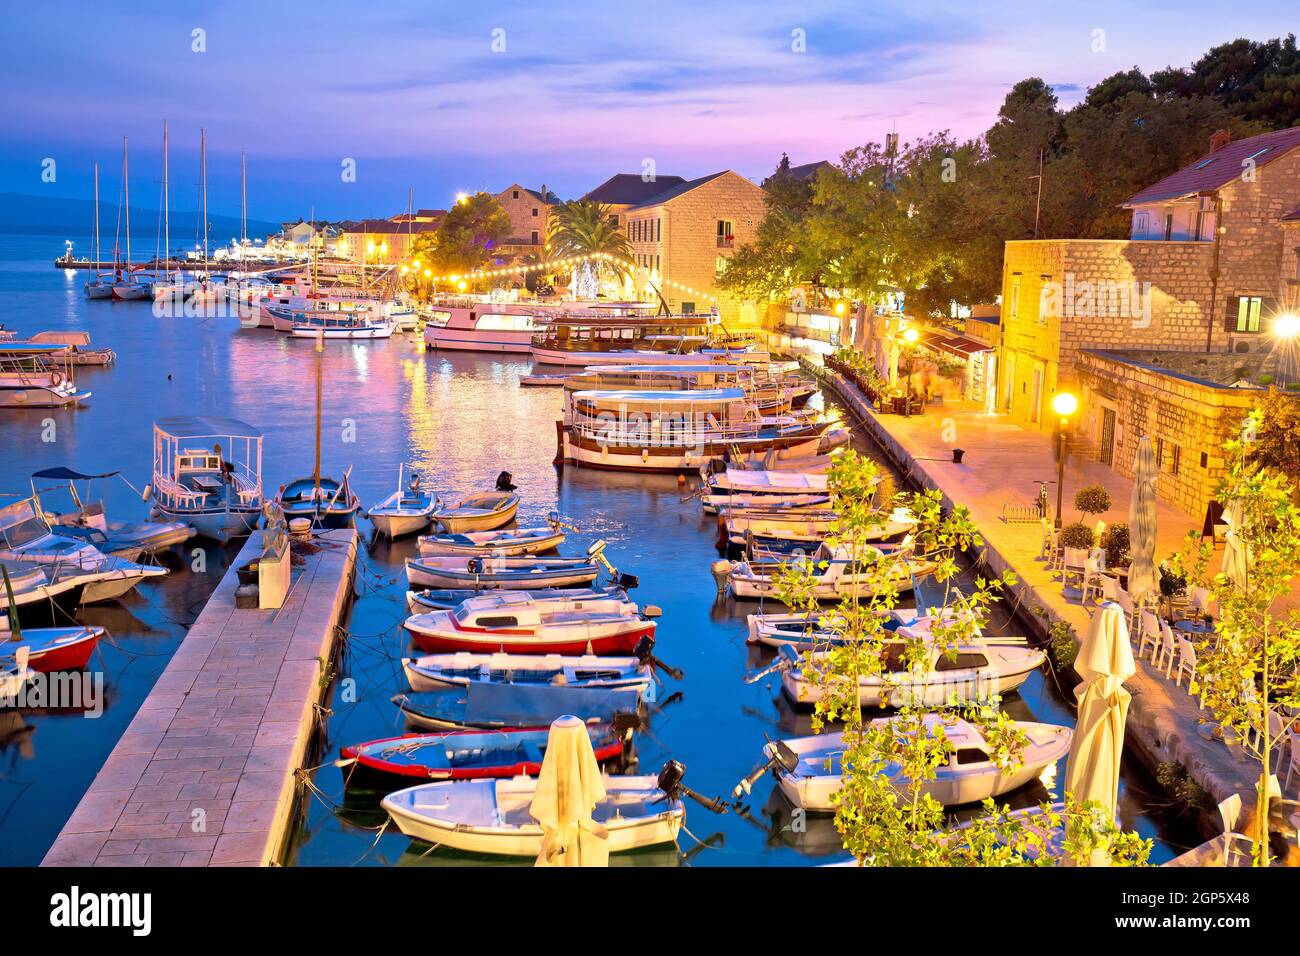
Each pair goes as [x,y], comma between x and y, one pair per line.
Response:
[416,95]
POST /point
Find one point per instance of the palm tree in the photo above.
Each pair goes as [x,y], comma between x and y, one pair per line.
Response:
[582,228]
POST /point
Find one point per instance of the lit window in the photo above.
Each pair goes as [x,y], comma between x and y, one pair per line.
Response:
[1248,309]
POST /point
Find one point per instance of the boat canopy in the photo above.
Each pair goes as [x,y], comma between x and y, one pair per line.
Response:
[537,704]
[206,426]
[686,368]
[701,395]
[67,474]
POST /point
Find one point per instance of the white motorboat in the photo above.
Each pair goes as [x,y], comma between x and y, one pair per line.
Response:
[969,775]
[969,672]
[207,472]
[588,670]
[448,599]
[27,379]
[492,816]
[482,511]
[774,630]
[800,529]
[406,511]
[88,520]
[834,571]
[479,326]
[501,544]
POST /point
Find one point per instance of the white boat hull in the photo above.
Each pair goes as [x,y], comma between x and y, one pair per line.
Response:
[396,525]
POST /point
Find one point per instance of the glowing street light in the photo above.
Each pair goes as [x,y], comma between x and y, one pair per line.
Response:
[1065,405]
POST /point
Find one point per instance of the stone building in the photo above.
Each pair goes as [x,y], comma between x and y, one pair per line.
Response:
[382,242]
[622,191]
[529,211]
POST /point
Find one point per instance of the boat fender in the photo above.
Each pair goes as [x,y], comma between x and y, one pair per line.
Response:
[56,378]
[652,610]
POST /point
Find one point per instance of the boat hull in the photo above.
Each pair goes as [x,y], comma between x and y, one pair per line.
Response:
[469,340]
[616,640]
[398,525]
[422,574]
[589,453]
[217,524]
[56,649]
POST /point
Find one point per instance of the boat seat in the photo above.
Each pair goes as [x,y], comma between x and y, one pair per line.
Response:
[174,489]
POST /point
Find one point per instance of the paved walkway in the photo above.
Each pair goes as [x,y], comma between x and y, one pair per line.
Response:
[204,775]
[1002,464]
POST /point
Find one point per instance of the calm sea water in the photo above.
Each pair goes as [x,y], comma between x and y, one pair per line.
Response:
[459,420]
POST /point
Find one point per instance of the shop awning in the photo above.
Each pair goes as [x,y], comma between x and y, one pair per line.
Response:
[958,345]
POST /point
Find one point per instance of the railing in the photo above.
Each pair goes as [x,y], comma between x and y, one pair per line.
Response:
[726,242]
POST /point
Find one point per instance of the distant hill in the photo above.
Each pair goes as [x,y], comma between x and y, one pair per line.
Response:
[47,215]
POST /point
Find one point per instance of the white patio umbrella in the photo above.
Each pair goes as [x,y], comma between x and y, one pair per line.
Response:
[1104,662]
[568,789]
[1236,555]
[1142,524]
[893,365]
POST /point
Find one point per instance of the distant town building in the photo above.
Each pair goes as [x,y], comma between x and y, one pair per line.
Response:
[382,241]
[529,211]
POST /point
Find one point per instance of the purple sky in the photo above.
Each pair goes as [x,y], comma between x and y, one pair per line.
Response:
[414,93]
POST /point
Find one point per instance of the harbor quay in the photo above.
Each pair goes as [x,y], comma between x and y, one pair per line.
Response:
[206,772]
[1001,466]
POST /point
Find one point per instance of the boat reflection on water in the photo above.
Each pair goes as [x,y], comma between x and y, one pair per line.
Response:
[425,854]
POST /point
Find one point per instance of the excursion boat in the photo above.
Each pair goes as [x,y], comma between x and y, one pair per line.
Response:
[434,671]
[207,473]
[834,572]
[78,350]
[27,381]
[673,431]
[26,537]
[487,706]
[482,511]
[974,673]
[493,816]
[513,624]
[51,649]
[462,755]
[498,544]
[638,339]
[479,327]
[88,521]
[406,511]
[514,574]
[969,774]
[448,599]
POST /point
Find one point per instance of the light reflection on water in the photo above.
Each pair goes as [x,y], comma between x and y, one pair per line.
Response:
[459,420]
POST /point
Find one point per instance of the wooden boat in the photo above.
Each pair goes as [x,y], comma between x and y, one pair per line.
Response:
[598,336]
[522,573]
[803,629]
[462,755]
[976,672]
[327,502]
[512,624]
[482,511]
[751,532]
[406,511]
[968,775]
[492,816]
[833,571]
[498,544]
[460,669]
[207,473]
[52,649]
[487,706]
[448,599]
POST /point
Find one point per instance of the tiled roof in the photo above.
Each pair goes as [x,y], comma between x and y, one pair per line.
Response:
[660,198]
[805,172]
[1220,167]
[627,189]
[387,227]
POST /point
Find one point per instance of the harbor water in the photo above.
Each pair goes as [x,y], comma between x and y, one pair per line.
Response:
[458,420]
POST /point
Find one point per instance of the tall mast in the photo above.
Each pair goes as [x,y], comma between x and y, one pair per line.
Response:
[126,191]
[203,177]
[320,348]
[243,198]
[167,240]
[97,214]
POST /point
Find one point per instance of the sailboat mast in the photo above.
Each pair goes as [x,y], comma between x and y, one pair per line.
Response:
[126,192]
[203,177]
[320,349]
[167,240]
[96,214]
[243,198]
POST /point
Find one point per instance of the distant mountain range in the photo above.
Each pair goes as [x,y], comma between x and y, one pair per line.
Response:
[47,215]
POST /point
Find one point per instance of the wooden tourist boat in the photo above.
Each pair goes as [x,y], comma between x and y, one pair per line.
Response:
[595,337]
[833,571]
[472,326]
[207,473]
[588,670]
[487,706]
[492,816]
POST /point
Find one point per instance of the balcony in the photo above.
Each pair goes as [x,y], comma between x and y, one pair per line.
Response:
[726,242]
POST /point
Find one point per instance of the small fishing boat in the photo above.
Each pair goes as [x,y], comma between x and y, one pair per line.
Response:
[726,504]
[488,706]
[543,381]
[834,571]
[513,624]
[785,531]
[482,511]
[52,649]
[969,672]
[492,816]
[522,573]
[448,599]
[461,669]
[42,593]
[500,544]
[969,774]
[406,511]
[88,521]
[326,502]
[464,755]
[207,473]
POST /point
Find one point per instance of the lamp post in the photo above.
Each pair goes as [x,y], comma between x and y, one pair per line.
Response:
[1064,404]
[910,337]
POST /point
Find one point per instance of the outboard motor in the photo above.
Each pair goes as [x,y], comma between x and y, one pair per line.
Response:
[670,782]
[504,483]
[782,759]
[644,652]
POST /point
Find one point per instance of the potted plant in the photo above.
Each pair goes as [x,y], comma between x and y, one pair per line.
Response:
[1076,535]
[1115,540]
[1092,500]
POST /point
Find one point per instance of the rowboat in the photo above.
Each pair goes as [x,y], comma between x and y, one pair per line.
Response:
[970,672]
[492,816]
[523,573]
[969,775]
[406,511]
[488,706]
[501,544]
[725,504]
[52,649]
[482,511]
[787,530]
[514,625]
[804,629]
[434,671]
[834,572]
[448,599]
[463,755]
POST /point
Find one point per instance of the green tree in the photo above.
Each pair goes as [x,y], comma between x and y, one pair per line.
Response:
[780,255]
[468,237]
[1258,81]
[581,228]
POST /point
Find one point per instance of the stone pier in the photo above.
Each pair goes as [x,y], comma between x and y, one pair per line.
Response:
[205,773]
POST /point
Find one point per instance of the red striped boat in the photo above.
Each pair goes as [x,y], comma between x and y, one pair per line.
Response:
[53,648]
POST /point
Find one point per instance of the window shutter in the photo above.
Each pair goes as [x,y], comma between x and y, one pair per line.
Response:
[1230,319]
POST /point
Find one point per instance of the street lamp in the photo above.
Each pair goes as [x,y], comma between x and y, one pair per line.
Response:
[910,337]
[1064,404]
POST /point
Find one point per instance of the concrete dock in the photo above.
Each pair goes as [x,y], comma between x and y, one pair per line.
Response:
[205,773]
[1001,465]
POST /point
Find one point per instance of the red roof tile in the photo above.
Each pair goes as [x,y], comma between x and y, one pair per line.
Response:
[1217,169]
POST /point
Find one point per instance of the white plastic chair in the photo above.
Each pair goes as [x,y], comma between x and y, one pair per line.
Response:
[1125,602]
[1168,650]
[1186,665]
[1092,579]
[1075,566]
[1149,634]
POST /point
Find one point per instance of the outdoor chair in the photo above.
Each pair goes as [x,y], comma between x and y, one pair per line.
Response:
[1110,589]
[1125,602]
[1187,665]
[1075,565]
[1167,653]
[1092,580]
[1149,634]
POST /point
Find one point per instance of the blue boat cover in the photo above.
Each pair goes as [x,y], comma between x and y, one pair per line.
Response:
[524,705]
[67,474]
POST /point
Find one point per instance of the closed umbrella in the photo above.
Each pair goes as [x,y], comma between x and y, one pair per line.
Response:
[1142,524]
[1236,555]
[568,789]
[893,365]
[1104,662]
